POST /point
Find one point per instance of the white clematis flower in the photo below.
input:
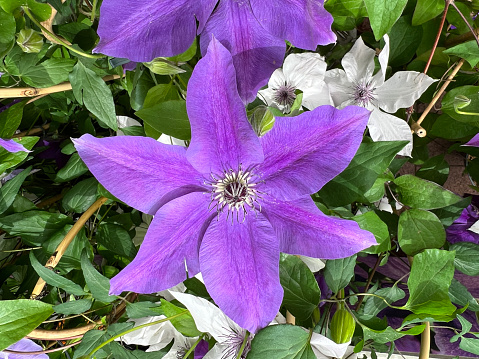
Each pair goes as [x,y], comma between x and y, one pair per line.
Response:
[303,72]
[325,348]
[125,121]
[356,85]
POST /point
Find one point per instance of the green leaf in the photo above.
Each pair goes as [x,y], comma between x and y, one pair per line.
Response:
[29,41]
[34,226]
[41,11]
[301,290]
[11,159]
[389,334]
[467,254]
[160,93]
[116,239]
[143,309]
[418,193]
[168,117]
[48,73]
[90,341]
[54,279]
[467,51]
[427,10]
[459,295]
[371,160]
[435,169]
[374,305]
[346,13]
[73,307]
[470,345]
[98,285]
[185,323]
[73,169]
[90,89]
[187,55]
[10,119]
[466,327]
[429,281]
[447,215]
[450,129]
[7,21]
[281,342]
[418,230]
[338,272]
[404,39]
[81,196]
[371,222]
[383,14]
[9,191]
[19,317]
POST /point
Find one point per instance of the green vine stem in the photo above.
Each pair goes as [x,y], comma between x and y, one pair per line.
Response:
[193,346]
[93,10]
[133,329]
[60,41]
[243,346]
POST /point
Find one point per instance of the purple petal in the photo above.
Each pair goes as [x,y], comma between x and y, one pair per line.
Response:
[256,53]
[138,170]
[221,136]
[459,231]
[474,141]
[12,146]
[240,266]
[303,229]
[24,345]
[141,30]
[305,152]
[172,240]
[305,23]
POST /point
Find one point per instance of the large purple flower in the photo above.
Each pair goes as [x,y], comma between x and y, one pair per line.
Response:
[228,204]
[252,30]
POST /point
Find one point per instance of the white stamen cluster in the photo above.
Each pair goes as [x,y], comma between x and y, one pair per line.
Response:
[234,191]
[363,93]
[285,96]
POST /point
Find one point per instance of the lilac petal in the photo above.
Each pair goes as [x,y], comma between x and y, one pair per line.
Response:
[12,146]
[299,161]
[305,23]
[221,136]
[459,231]
[240,266]
[142,30]
[24,345]
[138,170]
[303,229]
[172,241]
[256,53]
[473,142]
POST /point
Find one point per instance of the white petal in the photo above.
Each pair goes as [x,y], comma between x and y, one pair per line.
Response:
[402,90]
[158,334]
[167,293]
[385,127]
[340,87]
[314,264]
[474,228]
[304,70]
[325,348]
[125,121]
[359,62]
[279,319]
[180,343]
[317,96]
[383,62]
[208,317]
[277,79]
[169,140]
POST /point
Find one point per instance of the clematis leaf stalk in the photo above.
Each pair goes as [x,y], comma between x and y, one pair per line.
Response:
[229,203]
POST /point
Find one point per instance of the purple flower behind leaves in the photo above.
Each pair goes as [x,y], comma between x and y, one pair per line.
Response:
[459,231]
[12,146]
[228,204]
[252,30]
[24,345]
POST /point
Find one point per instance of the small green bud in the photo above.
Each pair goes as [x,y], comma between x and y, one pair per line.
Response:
[342,326]
[162,66]
[461,101]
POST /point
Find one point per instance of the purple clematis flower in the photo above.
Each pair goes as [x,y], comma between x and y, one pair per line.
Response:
[23,345]
[12,146]
[228,204]
[459,231]
[252,30]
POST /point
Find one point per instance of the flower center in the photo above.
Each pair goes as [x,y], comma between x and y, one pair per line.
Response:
[363,93]
[284,95]
[234,191]
[234,341]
